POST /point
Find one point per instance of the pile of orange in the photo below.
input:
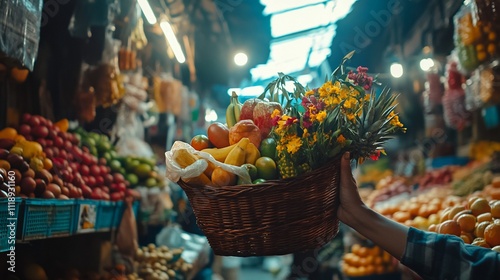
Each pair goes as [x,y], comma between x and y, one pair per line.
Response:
[477,222]
[365,261]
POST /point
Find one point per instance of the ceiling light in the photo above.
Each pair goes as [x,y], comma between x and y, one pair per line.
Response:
[426,64]
[247,91]
[148,12]
[211,116]
[397,70]
[240,59]
[172,41]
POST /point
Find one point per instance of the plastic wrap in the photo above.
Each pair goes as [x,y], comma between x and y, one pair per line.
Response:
[20,30]
[175,172]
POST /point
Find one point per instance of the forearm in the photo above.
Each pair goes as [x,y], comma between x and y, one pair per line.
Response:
[388,234]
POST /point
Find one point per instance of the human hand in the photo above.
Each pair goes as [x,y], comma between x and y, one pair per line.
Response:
[349,198]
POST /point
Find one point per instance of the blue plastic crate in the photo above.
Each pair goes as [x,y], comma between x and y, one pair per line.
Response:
[105,215]
[120,208]
[44,218]
[86,215]
[7,215]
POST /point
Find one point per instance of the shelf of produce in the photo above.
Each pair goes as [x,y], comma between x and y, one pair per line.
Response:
[48,218]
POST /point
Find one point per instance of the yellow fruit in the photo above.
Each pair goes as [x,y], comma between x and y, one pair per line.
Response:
[221,177]
[238,153]
[185,159]
[252,154]
[63,125]
[219,154]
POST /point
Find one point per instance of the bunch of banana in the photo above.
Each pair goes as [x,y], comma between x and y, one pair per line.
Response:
[233,110]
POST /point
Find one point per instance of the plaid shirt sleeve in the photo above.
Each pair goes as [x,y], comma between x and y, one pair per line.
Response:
[440,256]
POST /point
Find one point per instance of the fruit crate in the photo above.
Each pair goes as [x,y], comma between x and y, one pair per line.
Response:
[45,218]
[86,215]
[105,215]
[5,219]
[120,208]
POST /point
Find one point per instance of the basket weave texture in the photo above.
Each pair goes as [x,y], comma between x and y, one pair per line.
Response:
[273,218]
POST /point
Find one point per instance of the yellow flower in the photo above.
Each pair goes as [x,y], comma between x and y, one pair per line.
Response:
[350,103]
[367,97]
[309,92]
[306,133]
[351,117]
[294,145]
[321,116]
[280,148]
[395,119]
[341,139]
[275,113]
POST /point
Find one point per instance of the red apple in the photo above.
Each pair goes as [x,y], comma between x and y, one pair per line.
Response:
[52,133]
[96,194]
[49,153]
[25,118]
[91,181]
[86,191]
[105,189]
[120,187]
[99,181]
[102,161]
[73,192]
[105,196]
[262,116]
[108,179]
[39,131]
[95,170]
[24,130]
[65,190]
[248,108]
[104,170]
[68,145]
[34,121]
[116,196]
[84,170]
[118,178]
[58,142]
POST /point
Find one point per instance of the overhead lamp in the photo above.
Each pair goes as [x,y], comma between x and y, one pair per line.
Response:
[240,59]
[172,41]
[426,64]
[251,91]
[148,12]
[397,70]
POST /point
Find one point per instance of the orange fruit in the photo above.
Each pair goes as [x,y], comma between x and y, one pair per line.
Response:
[401,216]
[19,74]
[480,206]
[471,200]
[363,252]
[495,209]
[200,142]
[47,164]
[380,269]
[355,248]
[455,210]
[485,217]
[492,234]
[432,228]
[479,230]
[467,222]
[480,242]
[450,227]
[370,269]
[444,215]
[266,168]
[466,238]
[467,211]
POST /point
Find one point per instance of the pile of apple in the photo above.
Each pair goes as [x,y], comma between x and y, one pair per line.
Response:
[137,171]
[77,172]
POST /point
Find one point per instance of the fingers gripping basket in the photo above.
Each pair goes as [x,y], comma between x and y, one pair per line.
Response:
[273,218]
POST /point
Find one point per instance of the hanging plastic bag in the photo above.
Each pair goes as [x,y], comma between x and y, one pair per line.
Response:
[126,239]
[20,24]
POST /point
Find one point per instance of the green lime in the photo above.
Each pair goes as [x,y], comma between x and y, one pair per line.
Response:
[88,142]
[252,170]
[103,146]
[107,157]
[115,165]
[268,148]
[113,154]
[132,164]
[151,182]
[149,161]
[266,168]
[142,170]
[258,181]
[122,171]
[132,178]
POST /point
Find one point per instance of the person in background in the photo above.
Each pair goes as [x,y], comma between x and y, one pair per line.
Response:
[430,255]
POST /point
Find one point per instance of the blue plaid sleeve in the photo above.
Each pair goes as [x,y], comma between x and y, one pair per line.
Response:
[440,256]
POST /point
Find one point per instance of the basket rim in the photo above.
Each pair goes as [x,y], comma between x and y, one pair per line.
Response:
[333,162]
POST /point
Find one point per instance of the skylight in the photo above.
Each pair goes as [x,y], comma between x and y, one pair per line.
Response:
[303,31]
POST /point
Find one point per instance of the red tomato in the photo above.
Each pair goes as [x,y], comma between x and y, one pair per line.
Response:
[200,142]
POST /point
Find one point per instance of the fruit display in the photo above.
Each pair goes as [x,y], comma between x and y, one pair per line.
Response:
[388,187]
[159,263]
[483,150]
[366,261]
[137,171]
[49,163]
[471,178]
[436,177]
[476,220]
[476,34]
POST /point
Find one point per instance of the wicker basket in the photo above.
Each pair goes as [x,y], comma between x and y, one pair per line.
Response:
[273,218]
